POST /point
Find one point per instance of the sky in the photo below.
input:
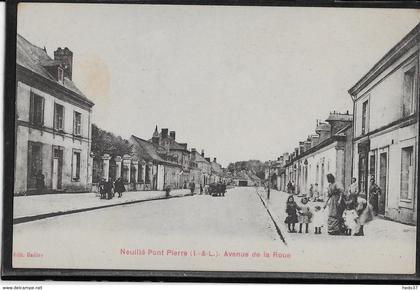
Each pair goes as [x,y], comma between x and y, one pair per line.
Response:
[239,82]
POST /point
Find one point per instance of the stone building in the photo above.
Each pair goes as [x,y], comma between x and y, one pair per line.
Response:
[386,128]
[328,151]
[53,123]
[159,169]
[203,165]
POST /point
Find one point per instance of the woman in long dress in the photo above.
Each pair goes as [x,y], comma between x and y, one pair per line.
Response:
[335,208]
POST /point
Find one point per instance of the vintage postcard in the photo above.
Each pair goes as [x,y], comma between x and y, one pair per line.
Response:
[216,138]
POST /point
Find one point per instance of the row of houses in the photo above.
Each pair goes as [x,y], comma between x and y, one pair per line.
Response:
[53,137]
[158,163]
[379,140]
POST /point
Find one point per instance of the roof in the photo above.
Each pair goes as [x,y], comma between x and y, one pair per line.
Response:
[408,41]
[340,117]
[198,158]
[35,59]
[148,149]
[178,146]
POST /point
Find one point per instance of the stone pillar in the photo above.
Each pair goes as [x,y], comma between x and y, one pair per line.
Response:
[136,167]
[105,166]
[127,164]
[150,164]
[90,169]
[118,166]
[143,171]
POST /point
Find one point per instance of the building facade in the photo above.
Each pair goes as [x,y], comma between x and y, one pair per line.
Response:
[386,129]
[327,151]
[53,123]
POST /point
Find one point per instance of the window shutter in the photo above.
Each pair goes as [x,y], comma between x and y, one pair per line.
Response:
[31,108]
[74,167]
[42,110]
[74,123]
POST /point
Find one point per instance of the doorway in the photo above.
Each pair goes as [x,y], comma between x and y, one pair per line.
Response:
[383,177]
[57,168]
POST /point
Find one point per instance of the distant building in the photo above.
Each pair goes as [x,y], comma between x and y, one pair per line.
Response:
[53,123]
[385,147]
[203,165]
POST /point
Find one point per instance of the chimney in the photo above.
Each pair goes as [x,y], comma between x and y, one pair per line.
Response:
[164,133]
[324,131]
[202,152]
[301,147]
[307,145]
[314,140]
[65,56]
[172,134]
[214,160]
[338,121]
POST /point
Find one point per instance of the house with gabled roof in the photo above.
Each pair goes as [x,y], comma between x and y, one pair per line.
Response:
[53,123]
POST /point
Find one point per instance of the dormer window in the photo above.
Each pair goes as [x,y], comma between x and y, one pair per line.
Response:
[60,75]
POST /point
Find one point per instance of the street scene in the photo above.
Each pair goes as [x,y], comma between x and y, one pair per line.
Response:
[192,148]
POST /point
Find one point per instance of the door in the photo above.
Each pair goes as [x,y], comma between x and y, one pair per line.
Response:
[363,172]
[57,168]
[55,174]
[383,177]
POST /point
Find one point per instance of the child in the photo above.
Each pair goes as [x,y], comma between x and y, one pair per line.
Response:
[305,215]
[318,219]
[350,216]
[291,210]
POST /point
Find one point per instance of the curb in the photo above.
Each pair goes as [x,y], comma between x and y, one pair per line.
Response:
[272,219]
[27,219]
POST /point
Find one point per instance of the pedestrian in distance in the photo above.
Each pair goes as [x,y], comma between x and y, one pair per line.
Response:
[304,216]
[109,187]
[289,187]
[318,219]
[374,193]
[102,188]
[291,211]
[201,189]
[119,187]
[192,187]
[223,189]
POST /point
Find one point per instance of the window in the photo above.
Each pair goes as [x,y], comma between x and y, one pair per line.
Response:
[36,110]
[77,123]
[364,117]
[407,173]
[60,75]
[76,166]
[58,117]
[408,92]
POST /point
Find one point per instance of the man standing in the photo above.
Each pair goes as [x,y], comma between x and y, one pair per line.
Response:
[374,193]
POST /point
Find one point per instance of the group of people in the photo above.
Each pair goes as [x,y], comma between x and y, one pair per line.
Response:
[348,211]
[107,189]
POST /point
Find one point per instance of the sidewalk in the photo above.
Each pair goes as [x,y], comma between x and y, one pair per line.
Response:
[33,207]
[386,246]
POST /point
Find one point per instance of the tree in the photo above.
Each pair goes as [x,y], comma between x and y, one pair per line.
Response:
[106,142]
